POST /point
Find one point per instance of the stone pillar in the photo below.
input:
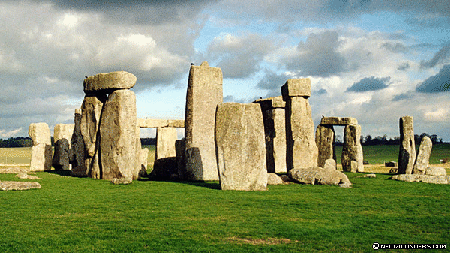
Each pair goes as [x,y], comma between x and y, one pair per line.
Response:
[325,143]
[91,111]
[62,136]
[241,152]
[118,130]
[165,142]
[274,117]
[352,154]
[423,156]
[41,151]
[181,161]
[78,150]
[204,93]
[301,146]
[407,153]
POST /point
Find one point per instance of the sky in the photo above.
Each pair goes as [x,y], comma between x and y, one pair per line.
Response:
[374,60]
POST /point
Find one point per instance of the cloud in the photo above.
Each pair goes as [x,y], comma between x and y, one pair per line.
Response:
[273,81]
[318,56]
[369,84]
[404,66]
[437,83]
[439,57]
[239,57]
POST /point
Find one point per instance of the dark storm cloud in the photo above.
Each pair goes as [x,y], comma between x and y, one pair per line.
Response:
[437,83]
[319,56]
[439,57]
[369,84]
[272,81]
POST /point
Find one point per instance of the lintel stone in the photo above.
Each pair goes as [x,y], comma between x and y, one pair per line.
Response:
[160,123]
[338,121]
[296,88]
[109,81]
[271,103]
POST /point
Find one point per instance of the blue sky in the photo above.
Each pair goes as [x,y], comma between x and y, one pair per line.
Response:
[374,60]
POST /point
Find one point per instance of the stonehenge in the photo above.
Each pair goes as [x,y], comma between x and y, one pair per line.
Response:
[352,154]
[204,94]
[241,145]
[41,151]
[407,153]
[412,168]
[274,118]
[241,151]
[301,145]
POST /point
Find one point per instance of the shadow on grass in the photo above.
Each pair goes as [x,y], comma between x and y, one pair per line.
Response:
[206,184]
[60,172]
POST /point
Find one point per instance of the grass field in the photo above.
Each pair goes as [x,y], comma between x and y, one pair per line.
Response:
[84,215]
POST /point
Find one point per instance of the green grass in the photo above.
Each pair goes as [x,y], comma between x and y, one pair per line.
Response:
[82,215]
[381,154]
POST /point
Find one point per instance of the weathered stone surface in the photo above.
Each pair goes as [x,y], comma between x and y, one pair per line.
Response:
[118,130]
[77,154]
[274,118]
[181,161]
[274,179]
[165,143]
[91,111]
[204,93]
[435,171]
[119,181]
[41,157]
[423,156]
[271,103]
[241,153]
[62,136]
[301,145]
[109,81]
[318,175]
[39,133]
[407,153]
[325,144]
[422,178]
[24,175]
[296,88]
[143,158]
[371,175]
[157,123]
[18,186]
[41,152]
[330,164]
[352,154]
[338,121]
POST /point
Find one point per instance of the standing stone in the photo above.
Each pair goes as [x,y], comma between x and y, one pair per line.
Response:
[62,136]
[352,154]
[301,146]
[78,151]
[325,143]
[181,161]
[241,152]
[407,153]
[118,132]
[91,111]
[165,142]
[423,156]
[204,93]
[41,151]
[143,159]
[274,117]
